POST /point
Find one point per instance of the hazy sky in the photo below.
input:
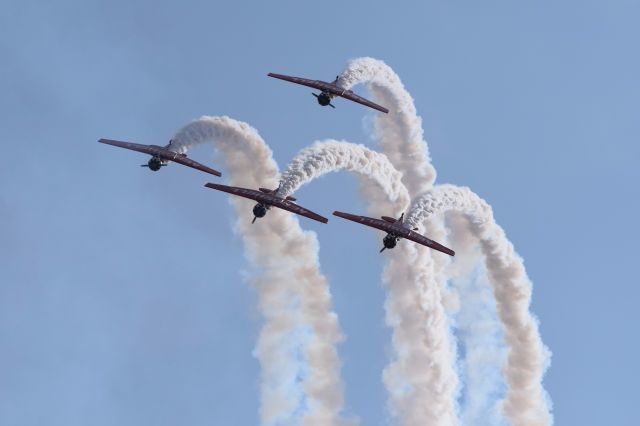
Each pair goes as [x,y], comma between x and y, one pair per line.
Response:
[122,299]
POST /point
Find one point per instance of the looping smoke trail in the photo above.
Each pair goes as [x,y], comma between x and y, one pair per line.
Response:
[416,379]
[420,378]
[331,156]
[294,296]
[420,373]
[526,402]
[472,311]
[416,313]
[399,132]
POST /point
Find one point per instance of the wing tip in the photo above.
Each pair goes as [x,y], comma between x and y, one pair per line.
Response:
[115,142]
[445,250]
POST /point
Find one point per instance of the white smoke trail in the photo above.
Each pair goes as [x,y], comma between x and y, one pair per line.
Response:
[399,132]
[413,311]
[526,401]
[375,170]
[331,156]
[293,295]
[477,327]
[421,378]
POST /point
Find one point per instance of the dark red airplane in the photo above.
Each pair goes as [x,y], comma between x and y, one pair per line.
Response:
[395,229]
[267,198]
[329,91]
[161,156]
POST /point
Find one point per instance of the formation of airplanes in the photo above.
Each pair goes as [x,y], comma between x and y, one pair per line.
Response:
[396,229]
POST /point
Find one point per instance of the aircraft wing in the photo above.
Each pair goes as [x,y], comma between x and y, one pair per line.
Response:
[268,198]
[348,94]
[421,239]
[164,153]
[145,149]
[368,221]
[294,208]
[315,84]
[185,161]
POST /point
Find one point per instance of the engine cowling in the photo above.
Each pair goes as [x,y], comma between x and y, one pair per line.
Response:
[389,241]
[324,99]
[154,164]
[259,210]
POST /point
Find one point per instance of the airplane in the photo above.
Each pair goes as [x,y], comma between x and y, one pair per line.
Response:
[267,198]
[329,91]
[395,229]
[161,156]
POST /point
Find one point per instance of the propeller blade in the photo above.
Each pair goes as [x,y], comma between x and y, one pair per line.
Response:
[254,220]
[332,106]
[315,95]
[382,249]
[144,165]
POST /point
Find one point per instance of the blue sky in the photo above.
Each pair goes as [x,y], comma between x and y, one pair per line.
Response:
[121,292]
